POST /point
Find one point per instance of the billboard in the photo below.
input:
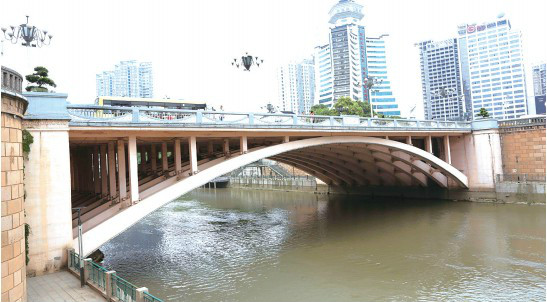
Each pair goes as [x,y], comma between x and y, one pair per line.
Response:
[540,104]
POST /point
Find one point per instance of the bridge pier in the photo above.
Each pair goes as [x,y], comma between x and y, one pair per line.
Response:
[133,169]
[112,171]
[121,173]
[193,155]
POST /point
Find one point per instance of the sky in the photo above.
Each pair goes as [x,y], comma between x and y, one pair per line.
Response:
[192,43]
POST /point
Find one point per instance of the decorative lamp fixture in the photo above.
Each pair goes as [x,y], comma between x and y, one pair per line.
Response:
[31,35]
[247,61]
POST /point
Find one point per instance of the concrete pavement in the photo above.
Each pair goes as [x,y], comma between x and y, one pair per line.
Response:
[60,286]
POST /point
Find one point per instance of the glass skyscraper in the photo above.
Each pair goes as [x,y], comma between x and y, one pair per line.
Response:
[128,79]
[538,72]
[440,66]
[493,69]
[343,66]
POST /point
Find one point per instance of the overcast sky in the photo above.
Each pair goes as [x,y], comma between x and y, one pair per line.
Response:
[191,43]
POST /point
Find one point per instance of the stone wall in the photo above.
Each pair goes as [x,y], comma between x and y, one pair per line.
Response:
[13,214]
[523,151]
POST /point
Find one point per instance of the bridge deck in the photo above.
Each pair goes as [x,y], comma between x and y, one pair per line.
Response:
[108,116]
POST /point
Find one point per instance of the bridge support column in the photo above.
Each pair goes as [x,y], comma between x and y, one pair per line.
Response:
[428,144]
[193,155]
[165,164]
[243,145]
[210,148]
[133,169]
[142,155]
[178,157]
[286,139]
[446,142]
[112,170]
[121,171]
[96,177]
[226,147]
[104,176]
[409,140]
[153,158]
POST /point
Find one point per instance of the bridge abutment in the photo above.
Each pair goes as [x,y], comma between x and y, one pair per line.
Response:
[48,195]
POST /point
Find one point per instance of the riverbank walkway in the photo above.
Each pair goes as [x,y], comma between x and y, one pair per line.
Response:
[60,286]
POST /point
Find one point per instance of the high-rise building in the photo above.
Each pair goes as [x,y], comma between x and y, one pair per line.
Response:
[350,59]
[128,79]
[493,69]
[296,86]
[440,66]
[540,78]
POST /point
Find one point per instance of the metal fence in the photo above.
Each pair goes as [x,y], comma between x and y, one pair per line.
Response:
[123,290]
[150,298]
[97,275]
[94,115]
[104,280]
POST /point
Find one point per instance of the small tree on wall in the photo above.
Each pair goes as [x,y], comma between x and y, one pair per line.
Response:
[39,77]
[483,113]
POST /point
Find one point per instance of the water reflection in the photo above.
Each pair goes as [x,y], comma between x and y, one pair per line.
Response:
[243,245]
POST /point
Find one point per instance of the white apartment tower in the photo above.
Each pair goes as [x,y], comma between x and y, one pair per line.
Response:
[128,79]
[492,69]
[296,86]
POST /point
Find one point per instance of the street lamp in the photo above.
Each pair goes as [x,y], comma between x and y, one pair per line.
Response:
[368,83]
[447,93]
[31,35]
[506,104]
[247,61]
[80,246]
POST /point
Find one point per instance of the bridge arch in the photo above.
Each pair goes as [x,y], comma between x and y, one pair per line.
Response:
[362,161]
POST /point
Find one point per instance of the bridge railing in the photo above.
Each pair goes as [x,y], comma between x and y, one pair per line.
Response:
[108,282]
[93,114]
[520,122]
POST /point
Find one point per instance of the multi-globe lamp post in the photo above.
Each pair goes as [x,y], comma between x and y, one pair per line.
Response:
[447,94]
[247,61]
[29,35]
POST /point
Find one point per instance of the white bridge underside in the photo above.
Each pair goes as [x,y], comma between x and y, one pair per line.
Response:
[343,161]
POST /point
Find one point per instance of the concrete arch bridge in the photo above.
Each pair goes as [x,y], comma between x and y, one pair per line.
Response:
[127,162]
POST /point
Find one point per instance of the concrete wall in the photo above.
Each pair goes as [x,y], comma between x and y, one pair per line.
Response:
[48,203]
[523,151]
[13,214]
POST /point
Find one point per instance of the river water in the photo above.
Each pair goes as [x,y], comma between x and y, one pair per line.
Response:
[245,245]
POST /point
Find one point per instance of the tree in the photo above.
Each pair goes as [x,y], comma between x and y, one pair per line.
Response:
[346,106]
[40,77]
[483,113]
[322,109]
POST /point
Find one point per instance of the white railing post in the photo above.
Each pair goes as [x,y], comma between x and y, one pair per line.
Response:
[87,268]
[251,118]
[140,294]
[110,285]
[135,113]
